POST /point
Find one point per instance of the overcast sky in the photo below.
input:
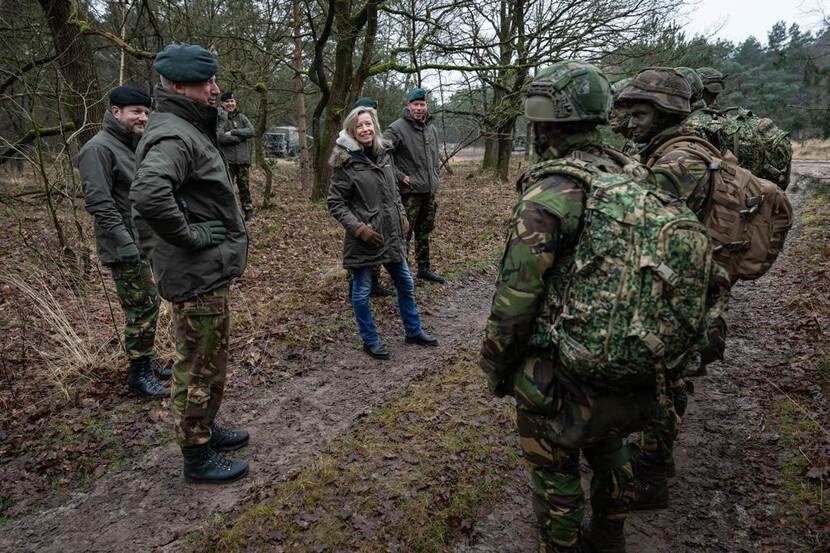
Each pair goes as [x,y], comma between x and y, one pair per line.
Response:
[742,18]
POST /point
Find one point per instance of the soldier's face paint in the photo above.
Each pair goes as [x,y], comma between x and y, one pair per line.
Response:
[132,117]
[642,122]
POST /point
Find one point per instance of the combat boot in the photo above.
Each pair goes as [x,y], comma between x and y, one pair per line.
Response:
[650,488]
[227,440]
[162,372]
[141,380]
[600,535]
[425,273]
[203,464]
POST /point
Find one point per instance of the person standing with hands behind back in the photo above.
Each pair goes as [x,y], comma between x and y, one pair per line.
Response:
[363,197]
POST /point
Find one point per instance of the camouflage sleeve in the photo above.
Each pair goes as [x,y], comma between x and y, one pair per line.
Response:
[685,174]
[520,290]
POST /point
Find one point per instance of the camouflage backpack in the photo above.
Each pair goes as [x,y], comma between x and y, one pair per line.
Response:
[758,144]
[747,217]
[635,302]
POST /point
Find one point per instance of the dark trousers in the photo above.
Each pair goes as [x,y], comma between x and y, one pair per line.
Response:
[420,210]
[239,173]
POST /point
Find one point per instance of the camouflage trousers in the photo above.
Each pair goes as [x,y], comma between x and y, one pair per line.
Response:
[557,421]
[139,299]
[657,442]
[239,173]
[202,327]
[420,211]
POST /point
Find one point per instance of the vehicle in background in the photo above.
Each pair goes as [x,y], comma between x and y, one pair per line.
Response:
[290,139]
[276,144]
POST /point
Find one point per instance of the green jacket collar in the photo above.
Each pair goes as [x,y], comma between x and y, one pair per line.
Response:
[201,116]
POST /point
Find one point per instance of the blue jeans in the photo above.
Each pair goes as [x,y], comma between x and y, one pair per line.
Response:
[362,287]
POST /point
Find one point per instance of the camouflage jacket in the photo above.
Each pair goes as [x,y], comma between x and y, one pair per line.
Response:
[542,237]
[706,124]
[678,171]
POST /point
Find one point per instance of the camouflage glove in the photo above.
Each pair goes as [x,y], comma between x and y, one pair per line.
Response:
[369,235]
[207,234]
[128,253]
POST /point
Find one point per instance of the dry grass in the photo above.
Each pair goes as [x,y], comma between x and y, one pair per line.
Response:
[811,149]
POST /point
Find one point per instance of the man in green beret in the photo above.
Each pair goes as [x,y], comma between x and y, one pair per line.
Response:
[107,166]
[415,150]
[191,227]
[235,134]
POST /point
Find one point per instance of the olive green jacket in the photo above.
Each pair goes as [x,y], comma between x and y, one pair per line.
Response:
[181,178]
[364,191]
[236,146]
[107,165]
[415,150]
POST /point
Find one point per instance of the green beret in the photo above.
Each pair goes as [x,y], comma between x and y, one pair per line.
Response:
[417,94]
[186,63]
[129,96]
[366,102]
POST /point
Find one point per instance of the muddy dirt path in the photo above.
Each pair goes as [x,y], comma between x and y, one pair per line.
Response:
[724,497]
[317,396]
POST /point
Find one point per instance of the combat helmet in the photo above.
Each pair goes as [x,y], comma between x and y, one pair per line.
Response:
[695,83]
[662,86]
[712,79]
[569,91]
[618,86]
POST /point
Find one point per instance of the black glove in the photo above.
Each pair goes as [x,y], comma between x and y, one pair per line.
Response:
[207,234]
[128,253]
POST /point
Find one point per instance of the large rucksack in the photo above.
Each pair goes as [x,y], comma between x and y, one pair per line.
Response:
[635,303]
[757,143]
[747,217]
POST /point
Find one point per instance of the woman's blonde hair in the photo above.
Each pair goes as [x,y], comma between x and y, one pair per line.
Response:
[350,126]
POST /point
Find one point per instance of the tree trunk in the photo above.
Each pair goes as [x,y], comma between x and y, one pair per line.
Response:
[490,152]
[505,148]
[76,66]
[299,96]
[261,127]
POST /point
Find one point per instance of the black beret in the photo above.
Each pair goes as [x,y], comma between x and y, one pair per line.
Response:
[226,96]
[366,102]
[129,96]
[186,63]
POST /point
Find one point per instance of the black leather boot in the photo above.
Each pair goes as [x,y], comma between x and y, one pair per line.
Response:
[425,273]
[650,488]
[422,339]
[162,372]
[203,464]
[602,536]
[227,440]
[378,351]
[141,380]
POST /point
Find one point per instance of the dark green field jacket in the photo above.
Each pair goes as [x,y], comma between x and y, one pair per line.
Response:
[415,151]
[236,146]
[107,165]
[180,179]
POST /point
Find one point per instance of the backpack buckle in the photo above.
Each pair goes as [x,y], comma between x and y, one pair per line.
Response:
[666,273]
[654,344]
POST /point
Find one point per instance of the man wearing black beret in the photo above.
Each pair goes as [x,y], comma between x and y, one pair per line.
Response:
[415,150]
[191,226]
[107,166]
[235,134]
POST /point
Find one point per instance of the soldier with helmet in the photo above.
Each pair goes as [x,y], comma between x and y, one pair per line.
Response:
[712,84]
[558,417]
[658,102]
